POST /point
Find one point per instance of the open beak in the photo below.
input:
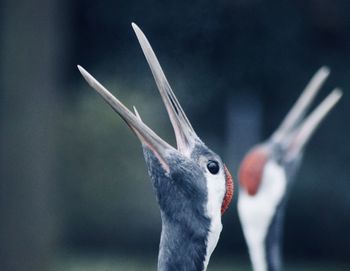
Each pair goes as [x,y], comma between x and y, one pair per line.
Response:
[185,135]
[306,129]
[297,113]
[296,130]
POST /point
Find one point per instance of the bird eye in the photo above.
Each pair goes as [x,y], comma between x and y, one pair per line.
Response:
[213,167]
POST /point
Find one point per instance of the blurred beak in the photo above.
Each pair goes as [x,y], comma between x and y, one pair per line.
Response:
[296,129]
[185,135]
[302,134]
[298,111]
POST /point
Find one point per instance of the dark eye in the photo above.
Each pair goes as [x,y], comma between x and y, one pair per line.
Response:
[213,167]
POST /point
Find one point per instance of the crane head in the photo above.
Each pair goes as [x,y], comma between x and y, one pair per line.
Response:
[287,143]
[268,169]
[192,184]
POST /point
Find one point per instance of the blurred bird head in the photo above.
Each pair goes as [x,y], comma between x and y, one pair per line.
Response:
[286,146]
[267,170]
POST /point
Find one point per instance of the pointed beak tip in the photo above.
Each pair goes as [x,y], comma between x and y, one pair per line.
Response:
[325,70]
[338,93]
[82,71]
[135,27]
[87,76]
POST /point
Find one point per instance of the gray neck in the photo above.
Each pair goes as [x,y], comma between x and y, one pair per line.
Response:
[181,248]
[273,240]
[182,197]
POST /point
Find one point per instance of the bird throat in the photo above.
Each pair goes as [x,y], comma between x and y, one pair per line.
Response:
[183,248]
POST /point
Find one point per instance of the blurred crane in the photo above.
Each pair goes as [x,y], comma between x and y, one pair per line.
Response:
[268,170]
[192,185]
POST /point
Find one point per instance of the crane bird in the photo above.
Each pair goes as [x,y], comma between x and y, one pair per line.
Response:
[192,185]
[267,172]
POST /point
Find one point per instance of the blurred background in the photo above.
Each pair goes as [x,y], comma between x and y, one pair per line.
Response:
[74,190]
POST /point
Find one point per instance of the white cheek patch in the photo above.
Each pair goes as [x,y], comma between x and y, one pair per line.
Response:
[256,212]
[216,186]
